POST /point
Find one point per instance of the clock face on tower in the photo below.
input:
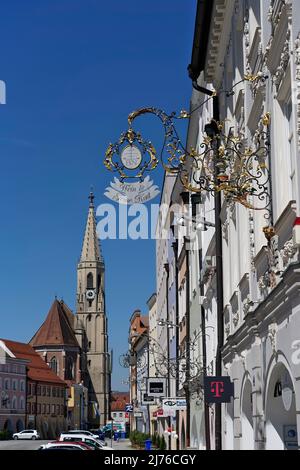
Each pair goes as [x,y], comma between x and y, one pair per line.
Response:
[90,294]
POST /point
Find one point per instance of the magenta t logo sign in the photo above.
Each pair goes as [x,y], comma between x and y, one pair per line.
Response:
[218,389]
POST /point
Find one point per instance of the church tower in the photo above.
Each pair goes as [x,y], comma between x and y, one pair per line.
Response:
[91,323]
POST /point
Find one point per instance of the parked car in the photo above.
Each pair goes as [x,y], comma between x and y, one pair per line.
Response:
[100,433]
[90,441]
[64,446]
[27,434]
[85,433]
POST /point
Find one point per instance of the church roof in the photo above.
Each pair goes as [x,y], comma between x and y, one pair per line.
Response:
[119,400]
[90,248]
[37,369]
[56,329]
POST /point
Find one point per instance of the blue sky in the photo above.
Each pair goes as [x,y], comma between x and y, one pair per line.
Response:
[74,69]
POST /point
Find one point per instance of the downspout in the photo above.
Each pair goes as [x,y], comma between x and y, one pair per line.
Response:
[188,337]
[166,266]
[196,199]
[175,249]
[220,301]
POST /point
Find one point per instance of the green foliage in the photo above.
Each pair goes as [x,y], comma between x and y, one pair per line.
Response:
[138,438]
[5,435]
[162,443]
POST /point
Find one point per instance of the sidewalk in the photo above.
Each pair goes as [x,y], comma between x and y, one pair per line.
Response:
[122,444]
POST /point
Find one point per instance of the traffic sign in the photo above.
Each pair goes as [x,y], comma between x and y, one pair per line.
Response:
[129,408]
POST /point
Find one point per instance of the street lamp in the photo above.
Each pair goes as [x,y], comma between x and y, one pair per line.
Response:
[167,323]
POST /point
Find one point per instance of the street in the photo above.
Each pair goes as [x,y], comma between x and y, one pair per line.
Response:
[21,444]
[123,444]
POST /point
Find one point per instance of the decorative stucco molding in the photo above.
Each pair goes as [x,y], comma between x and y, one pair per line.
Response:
[272,335]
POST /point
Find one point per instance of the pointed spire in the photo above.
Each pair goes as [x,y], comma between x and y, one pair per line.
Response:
[92,197]
[90,248]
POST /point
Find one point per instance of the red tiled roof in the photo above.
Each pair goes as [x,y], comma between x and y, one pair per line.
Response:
[119,400]
[38,370]
[56,329]
[145,321]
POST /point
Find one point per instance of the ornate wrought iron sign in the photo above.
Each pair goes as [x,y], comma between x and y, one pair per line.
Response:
[222,163]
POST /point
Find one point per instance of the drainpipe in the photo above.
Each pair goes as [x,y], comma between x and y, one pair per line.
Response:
[220,305]
[196,199]
[166,266]
[175,249]
[188,338]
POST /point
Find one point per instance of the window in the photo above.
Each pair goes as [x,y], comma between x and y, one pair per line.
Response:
[14,403]
[54,392]
[48,409]
[288,114]
[57,409]
[33,408]
[38,390]
[14,385]
[22,403]
[44,408]
[278,389]
[28,408]
[44,391]
[6,384]
[22,385]
[89,281]
[48,391]
[38,408]
[62,392]
[29,391]
[114,415]
[53,364]
[53,409]
[70,369]
[33,389]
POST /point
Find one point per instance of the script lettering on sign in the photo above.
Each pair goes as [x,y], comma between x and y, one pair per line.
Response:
[132,193]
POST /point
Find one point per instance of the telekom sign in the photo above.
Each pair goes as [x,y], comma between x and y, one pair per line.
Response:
[218,389]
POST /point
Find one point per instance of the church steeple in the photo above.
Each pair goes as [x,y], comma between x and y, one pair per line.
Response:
[91,321]
[90,248]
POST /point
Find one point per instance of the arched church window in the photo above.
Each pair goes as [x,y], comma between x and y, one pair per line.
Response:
[70,369]
[53,364]
[90,281]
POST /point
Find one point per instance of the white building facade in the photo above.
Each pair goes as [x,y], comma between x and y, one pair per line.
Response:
[256,38]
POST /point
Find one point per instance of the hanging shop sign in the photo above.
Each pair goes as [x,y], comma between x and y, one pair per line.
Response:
[218,389]
[148,400]
[129,408]
[156,387]
[132,193]
[174,404]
